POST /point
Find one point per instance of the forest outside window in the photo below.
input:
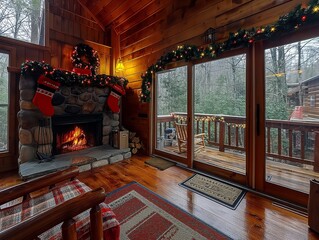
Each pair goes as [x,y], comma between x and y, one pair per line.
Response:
[4,101]
[23,20]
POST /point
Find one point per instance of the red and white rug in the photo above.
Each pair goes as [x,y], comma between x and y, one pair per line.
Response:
[144,215]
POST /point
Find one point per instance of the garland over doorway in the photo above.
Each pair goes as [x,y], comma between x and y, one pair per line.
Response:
[290,22]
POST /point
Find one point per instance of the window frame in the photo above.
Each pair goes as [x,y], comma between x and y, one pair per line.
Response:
[8,158]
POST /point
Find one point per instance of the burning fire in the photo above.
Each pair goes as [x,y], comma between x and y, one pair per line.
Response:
[73,140]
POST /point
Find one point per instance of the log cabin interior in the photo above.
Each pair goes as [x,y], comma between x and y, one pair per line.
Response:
[91,91]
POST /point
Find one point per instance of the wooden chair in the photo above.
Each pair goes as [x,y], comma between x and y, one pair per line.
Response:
[181,133]
[45,218]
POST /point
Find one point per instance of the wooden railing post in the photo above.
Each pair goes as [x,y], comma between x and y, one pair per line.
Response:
[316,153]
[221,136]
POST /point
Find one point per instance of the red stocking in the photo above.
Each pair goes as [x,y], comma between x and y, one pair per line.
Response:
[43,97]
[113,101]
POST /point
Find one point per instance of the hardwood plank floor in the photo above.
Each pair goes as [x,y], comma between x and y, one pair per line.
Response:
[255,218]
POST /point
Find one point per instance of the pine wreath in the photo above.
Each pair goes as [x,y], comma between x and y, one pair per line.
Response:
[83,56]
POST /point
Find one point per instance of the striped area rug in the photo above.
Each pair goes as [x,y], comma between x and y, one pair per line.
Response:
[145,215]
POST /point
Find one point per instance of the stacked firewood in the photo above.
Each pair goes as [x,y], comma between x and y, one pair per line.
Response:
[135,143]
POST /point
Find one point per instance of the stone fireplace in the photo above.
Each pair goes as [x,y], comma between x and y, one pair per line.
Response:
[81,122]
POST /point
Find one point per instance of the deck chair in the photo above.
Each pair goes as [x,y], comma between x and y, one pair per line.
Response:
[181,133]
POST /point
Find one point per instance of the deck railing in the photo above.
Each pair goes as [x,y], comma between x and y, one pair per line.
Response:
[291,141]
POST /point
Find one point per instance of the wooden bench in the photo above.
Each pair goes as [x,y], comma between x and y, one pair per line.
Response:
[68,210]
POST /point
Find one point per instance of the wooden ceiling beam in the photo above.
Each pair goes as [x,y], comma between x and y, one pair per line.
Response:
[83,5]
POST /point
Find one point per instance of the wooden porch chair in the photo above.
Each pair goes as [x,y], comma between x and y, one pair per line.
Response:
[181,133]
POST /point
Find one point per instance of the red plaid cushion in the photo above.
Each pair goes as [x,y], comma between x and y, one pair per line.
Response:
[12,213]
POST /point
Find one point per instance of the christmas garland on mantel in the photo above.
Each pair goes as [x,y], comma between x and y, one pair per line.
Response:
[289,22]
[35,69]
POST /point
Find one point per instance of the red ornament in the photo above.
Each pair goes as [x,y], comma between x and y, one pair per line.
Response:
[303,18]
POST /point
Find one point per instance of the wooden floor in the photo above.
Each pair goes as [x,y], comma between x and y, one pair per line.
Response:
[255,218]
[286,175]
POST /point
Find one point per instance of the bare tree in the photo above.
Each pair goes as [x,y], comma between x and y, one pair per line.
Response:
[22,19]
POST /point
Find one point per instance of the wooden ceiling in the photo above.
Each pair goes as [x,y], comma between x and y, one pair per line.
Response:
[118,13]
[124,14]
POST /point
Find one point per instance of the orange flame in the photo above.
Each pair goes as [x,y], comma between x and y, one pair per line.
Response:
[74,140]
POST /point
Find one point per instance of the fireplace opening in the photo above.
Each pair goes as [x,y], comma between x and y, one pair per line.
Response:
[73,133]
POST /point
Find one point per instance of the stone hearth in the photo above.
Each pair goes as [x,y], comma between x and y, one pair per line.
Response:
[86,159]
[71,101]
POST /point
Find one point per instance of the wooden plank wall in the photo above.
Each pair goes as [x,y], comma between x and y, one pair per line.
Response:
[162,25]
[69,24]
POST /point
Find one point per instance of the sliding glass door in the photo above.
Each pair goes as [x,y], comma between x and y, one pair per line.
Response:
[292,114]
[251,116]
[200,115]
[170,108]
[220,115]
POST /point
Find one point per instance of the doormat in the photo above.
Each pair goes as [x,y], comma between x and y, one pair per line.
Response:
[223,193]
[145,215]
[159,163]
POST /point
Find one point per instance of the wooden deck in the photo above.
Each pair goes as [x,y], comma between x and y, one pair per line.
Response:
[290,176]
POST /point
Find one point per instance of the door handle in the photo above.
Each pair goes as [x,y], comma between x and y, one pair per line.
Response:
[258,119]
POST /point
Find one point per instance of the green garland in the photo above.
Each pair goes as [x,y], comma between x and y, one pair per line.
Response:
[35,69]
[82,50]
[242,38]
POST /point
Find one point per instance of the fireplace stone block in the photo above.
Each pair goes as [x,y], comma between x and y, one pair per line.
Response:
[100,163]
[25,137]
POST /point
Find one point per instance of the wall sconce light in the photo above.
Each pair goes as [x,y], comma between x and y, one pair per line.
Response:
[209,35]
[119,65]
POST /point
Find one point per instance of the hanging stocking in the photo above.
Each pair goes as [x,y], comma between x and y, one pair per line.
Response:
[43,97]
[113,100]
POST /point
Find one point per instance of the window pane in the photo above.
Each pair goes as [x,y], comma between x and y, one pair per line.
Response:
[220,113]
[4,98]
[171,89]
[23,20]
[292,114]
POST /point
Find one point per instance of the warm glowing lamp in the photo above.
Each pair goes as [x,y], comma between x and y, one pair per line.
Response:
[119,65]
